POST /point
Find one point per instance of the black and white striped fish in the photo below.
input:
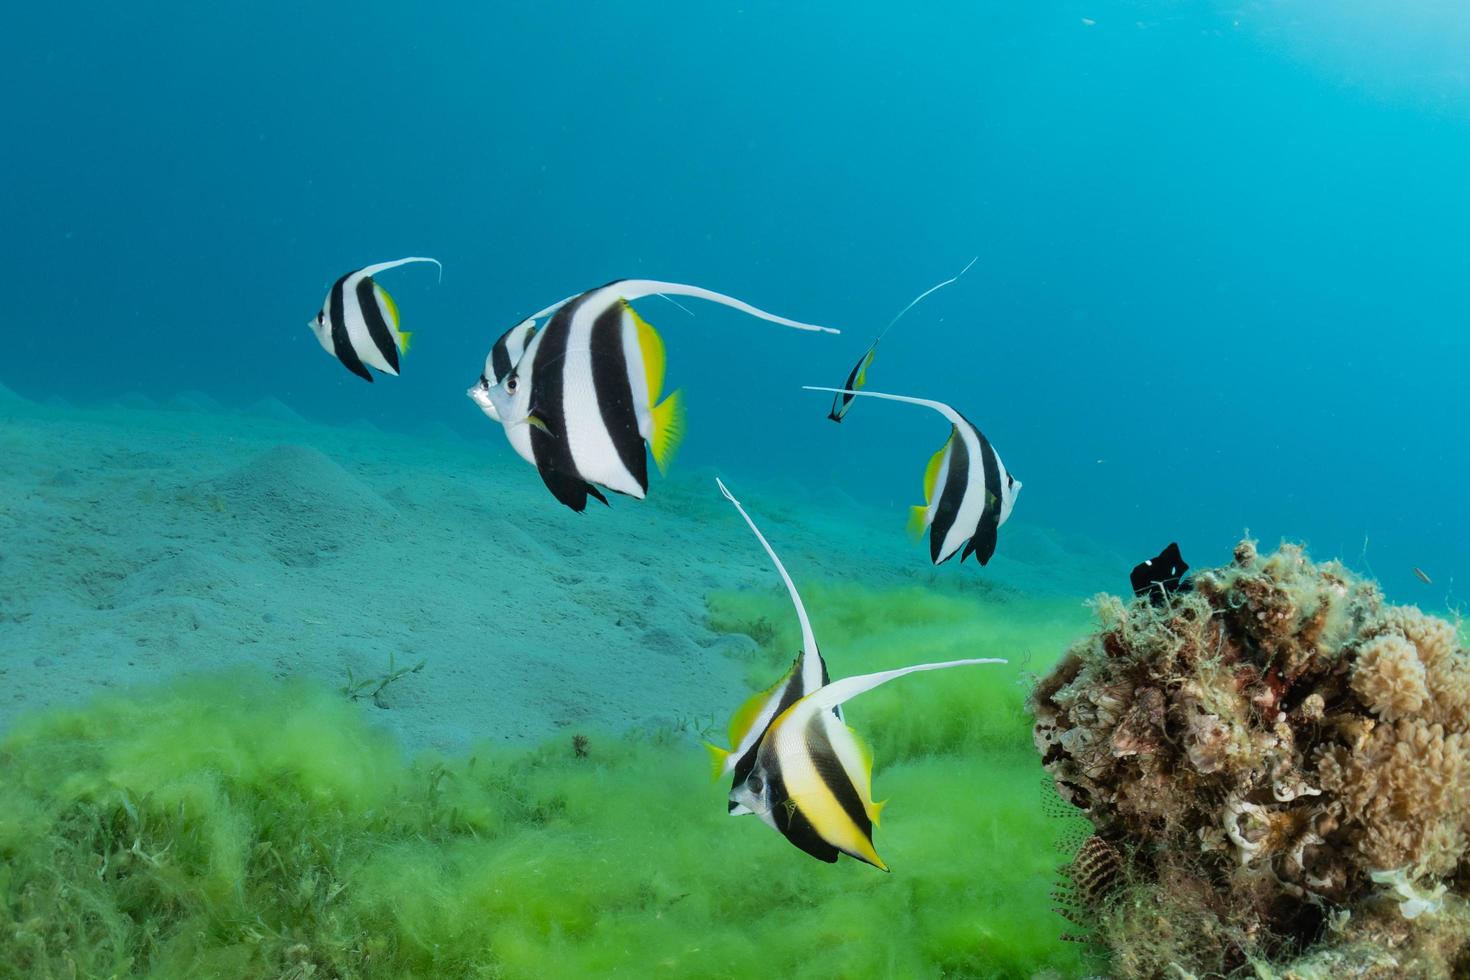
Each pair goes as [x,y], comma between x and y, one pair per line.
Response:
[857,378]
[358,322]
[808,673]
[968,492]
[582,401]
[812,779]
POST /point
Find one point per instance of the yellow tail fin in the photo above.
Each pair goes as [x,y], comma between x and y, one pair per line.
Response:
[668,430]
[717,756]
[878,811]
[918,520]
[404,336]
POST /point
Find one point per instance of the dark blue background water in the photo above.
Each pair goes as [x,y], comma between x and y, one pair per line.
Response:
[1222,252]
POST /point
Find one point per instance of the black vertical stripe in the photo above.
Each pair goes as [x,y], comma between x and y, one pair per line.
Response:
[341,344]
[982,543]
[615,392]
[951,495]
[500,357]
[791,822]
[376,325]
[842,401]
[837,779]
[549,448]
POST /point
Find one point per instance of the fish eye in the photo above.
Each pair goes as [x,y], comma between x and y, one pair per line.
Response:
[1010,480]
[320,318]
[484,383]
[510,384]
[755,782]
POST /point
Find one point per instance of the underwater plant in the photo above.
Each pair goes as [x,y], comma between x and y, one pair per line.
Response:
[374,685]
[1277,767]
[244,827]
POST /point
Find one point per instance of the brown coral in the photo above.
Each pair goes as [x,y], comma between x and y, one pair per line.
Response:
[1389,677]
[1276,736]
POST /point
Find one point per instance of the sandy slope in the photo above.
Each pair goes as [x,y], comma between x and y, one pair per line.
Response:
[142,539]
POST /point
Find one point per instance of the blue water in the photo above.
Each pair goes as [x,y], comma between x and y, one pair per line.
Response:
[1222,249]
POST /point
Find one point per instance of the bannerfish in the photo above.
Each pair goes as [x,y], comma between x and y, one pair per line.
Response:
[582,401]
[358,322]
[1161,576]
[968,492]
[857,378]
[808,673]
[812,778]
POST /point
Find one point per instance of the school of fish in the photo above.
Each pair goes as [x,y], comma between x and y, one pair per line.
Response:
[578,388]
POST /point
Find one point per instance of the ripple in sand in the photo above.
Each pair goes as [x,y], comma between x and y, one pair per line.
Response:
[190,573]
[136,401]
[193,401]
[302,504]
[276,410]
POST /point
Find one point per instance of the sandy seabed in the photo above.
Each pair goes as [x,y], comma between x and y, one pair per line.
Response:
[139,540]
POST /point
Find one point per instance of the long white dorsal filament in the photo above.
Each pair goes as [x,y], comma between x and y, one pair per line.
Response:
[808,638]
[920,298]
[631,289]
[848,688]
[939,407]
[373,270]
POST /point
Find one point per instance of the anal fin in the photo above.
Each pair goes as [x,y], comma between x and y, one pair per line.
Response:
[918,520]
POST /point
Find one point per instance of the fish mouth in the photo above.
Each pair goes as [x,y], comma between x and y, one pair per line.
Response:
[482,398]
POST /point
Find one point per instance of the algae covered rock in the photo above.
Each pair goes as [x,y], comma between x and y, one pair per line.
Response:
[1281,763]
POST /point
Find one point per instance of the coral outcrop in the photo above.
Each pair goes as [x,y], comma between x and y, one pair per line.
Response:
[1282,762]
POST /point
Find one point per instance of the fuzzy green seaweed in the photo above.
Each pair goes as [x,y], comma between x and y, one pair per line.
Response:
[862,630]
[246,827]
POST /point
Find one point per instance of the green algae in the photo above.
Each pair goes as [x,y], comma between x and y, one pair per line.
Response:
[246,827]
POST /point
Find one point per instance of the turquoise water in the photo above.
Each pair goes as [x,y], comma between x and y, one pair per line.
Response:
[1218,288]
[1221,249]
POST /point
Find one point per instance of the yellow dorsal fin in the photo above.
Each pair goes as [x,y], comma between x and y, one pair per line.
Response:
[745,716]
[390,313]
[389,307]
[668,430]
[717,757]
[862,375]
[652,347]
[918,520]
[931,472]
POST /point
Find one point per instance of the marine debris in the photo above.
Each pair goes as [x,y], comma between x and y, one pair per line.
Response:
[1277,767]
